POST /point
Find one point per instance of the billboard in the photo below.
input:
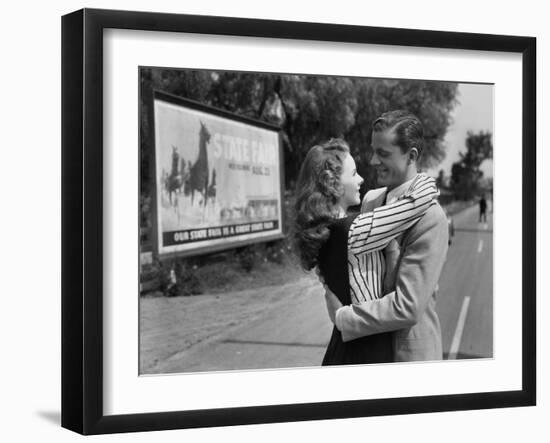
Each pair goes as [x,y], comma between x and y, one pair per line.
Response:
[218,178]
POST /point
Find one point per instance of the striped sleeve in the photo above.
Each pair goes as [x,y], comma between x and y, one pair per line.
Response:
[372,231]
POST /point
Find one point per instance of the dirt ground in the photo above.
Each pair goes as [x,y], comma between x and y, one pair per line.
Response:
[171,325]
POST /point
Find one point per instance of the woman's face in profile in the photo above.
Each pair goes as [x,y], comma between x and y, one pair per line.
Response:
[351,182]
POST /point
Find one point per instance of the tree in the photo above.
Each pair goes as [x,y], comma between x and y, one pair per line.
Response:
[309,109]
[431,102]
[316,108]
[466,174]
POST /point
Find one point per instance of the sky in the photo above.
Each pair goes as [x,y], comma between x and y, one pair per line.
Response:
[474,112]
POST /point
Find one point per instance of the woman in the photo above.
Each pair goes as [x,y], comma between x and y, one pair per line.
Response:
[348,249]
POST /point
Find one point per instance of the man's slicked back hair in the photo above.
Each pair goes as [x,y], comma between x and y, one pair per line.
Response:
[409,132]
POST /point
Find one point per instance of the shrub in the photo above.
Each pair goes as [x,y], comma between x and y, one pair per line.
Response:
[247,256]
[173,277]
[278,251]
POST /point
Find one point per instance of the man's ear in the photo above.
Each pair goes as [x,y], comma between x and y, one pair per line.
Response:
[413,155]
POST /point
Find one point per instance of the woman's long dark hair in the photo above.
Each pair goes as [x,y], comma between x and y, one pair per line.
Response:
[318,190]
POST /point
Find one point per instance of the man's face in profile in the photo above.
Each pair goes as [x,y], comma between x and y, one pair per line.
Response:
[391,164]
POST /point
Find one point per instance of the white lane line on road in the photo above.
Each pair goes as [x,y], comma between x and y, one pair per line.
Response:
[480,246]
[457,338]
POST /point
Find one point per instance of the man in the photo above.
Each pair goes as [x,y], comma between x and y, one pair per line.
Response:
[482,209]
[408,308]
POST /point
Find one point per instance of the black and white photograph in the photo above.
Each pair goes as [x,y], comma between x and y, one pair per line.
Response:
[292,220]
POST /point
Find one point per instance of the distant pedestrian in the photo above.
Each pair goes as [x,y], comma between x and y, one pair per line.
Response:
[482,209]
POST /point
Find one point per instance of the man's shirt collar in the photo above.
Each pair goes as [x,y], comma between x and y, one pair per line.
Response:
[399,191]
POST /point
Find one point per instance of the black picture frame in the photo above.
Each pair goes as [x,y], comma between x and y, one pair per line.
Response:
[82,218]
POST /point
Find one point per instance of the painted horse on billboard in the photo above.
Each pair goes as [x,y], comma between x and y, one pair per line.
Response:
[189,178]
[174,181]
[211,193]
[197,179]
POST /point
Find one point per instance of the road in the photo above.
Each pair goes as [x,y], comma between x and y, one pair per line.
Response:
[466,286]
[294,331]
